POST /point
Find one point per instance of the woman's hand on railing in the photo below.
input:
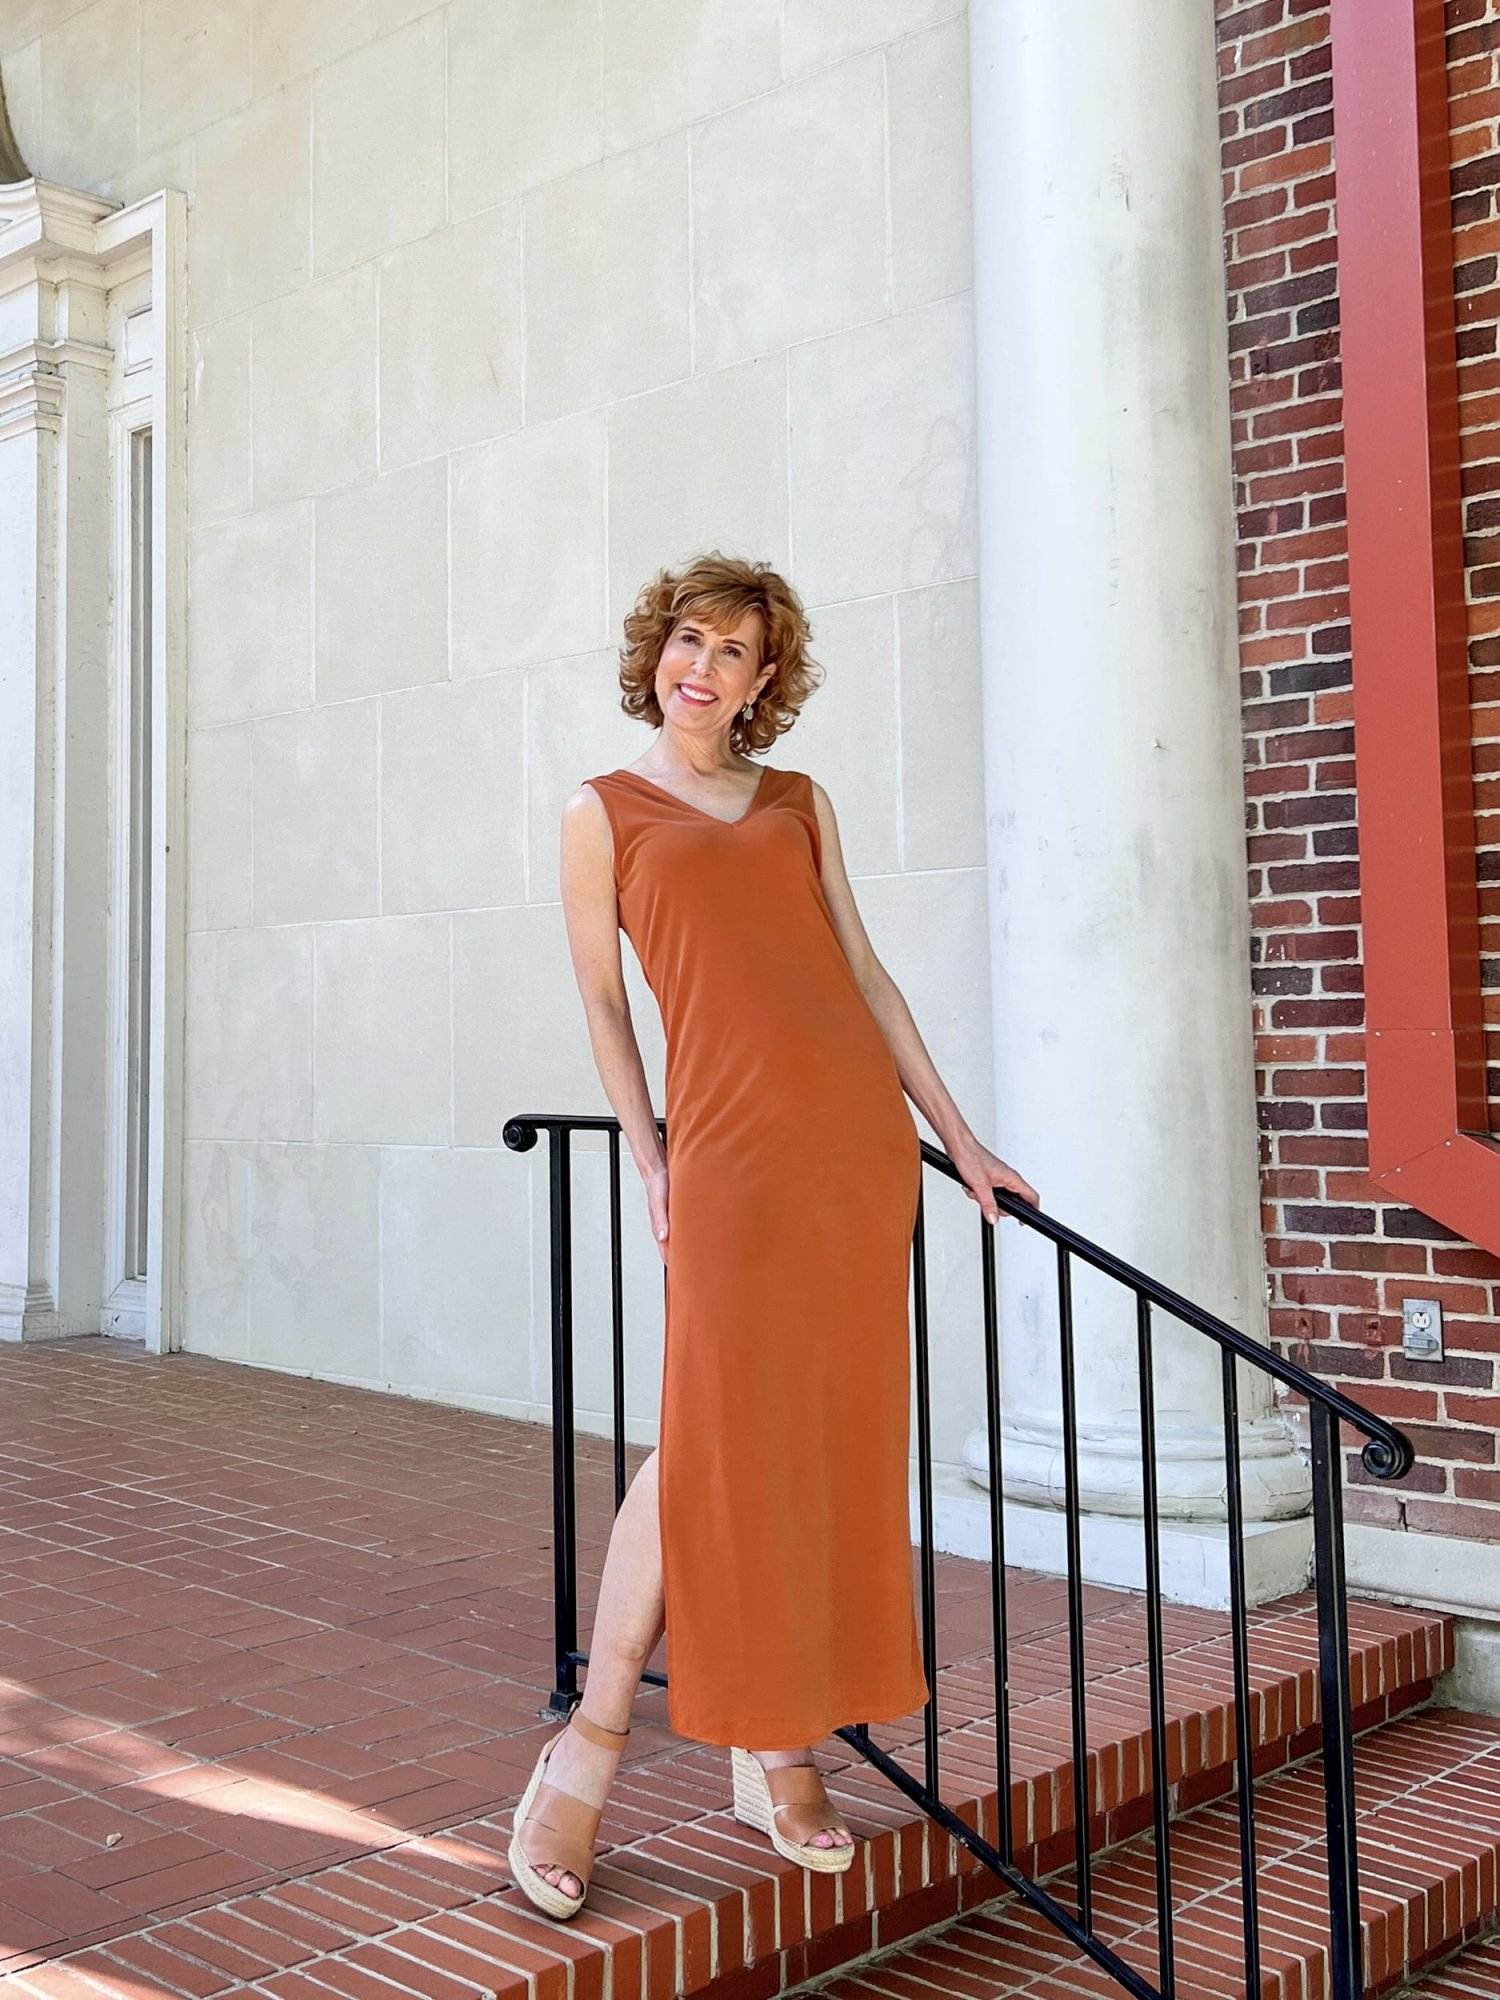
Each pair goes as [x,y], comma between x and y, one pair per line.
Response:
[982,1171]
[656,1207]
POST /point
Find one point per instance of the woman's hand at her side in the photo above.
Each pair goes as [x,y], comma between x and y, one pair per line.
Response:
[983,1171]
[656,1207]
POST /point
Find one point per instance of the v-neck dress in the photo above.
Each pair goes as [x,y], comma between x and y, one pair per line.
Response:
[793,1171]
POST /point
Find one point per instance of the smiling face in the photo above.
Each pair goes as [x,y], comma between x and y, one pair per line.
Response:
[707,673]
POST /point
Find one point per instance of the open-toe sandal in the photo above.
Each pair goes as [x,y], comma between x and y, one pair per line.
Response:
[559,1826]
[790,1804]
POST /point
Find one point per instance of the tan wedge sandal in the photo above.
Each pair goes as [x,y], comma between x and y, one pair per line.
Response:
[564,1825]
[790,1804]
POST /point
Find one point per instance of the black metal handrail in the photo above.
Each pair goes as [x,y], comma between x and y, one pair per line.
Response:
[1386,1454]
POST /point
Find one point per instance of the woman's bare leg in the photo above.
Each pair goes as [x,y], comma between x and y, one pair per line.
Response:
[627,1629]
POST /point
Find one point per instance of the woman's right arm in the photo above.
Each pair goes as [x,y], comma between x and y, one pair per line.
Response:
[591,912]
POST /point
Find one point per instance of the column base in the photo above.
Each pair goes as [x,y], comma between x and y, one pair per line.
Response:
[1194,1554]
[28,1313]
[1275,1483]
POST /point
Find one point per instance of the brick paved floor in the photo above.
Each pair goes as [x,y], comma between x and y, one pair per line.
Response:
[273,1657]
[254,1625]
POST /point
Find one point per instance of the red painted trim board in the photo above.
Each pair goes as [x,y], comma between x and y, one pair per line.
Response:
[1430,1146]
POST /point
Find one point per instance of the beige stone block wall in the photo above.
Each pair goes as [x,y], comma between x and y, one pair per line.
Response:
[493,309]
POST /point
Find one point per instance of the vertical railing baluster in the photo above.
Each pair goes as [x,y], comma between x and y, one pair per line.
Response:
[1155,1652]
[999,1607]
[1082,1790]
[1346,1981]
[924,1490]
[564,1507]
[617,1314]
[1240,1633]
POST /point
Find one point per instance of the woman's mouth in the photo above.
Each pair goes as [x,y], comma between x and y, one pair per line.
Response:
[696,697]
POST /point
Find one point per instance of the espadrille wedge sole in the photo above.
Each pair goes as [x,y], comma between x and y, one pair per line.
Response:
[571,1824]
[790,1791]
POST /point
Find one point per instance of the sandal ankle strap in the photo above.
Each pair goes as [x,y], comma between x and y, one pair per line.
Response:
[598,1732]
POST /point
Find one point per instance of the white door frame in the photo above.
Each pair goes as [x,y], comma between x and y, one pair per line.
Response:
[151,233]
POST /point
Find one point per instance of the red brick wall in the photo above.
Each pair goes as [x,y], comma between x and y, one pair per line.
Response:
[1341,1255]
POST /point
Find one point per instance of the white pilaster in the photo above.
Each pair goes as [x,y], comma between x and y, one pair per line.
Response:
[1118,911]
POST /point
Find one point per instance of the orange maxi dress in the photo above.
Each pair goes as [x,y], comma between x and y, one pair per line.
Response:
[793,1171]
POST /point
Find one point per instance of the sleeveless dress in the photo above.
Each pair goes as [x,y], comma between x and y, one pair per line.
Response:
[793,1172]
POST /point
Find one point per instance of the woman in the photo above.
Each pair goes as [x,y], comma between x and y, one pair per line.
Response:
[769,1530]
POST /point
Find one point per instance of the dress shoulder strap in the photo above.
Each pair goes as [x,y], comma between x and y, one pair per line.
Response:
[628,808]
[618,792]
[799,797]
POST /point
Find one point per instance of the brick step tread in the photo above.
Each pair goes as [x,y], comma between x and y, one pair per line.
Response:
[1428,1792]
[684,1899]
[1471,1974]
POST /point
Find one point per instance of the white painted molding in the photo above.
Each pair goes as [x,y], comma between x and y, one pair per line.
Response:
[43,219]
[76,277]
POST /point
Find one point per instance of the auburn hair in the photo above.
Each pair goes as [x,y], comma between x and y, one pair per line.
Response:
[721,589]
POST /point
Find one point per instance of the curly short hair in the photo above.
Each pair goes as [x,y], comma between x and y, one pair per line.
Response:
[722,589]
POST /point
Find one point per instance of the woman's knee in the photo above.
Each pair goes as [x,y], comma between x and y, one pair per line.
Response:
[631,1649]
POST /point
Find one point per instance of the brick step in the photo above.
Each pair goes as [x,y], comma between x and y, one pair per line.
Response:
[685,1901]
[1471,1974]
[1428,1790]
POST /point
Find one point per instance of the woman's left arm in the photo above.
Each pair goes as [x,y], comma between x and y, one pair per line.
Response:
[982,1170]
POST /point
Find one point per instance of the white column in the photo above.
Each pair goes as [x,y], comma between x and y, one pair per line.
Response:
[1117,872]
